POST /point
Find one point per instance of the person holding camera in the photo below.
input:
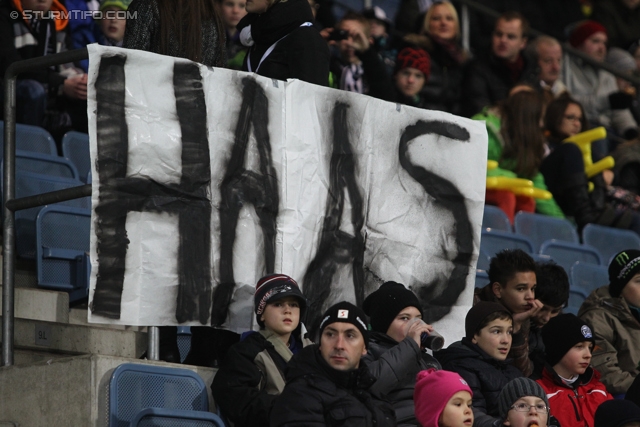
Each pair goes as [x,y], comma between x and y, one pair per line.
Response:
[397,347]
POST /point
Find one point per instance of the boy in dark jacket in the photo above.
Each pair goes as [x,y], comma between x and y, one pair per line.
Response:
[252,374]
[327,385]
[481,358]
[512,283]
[395,354]
[572,385]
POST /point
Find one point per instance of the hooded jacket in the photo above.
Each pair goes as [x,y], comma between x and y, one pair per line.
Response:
[395,366]
[317,395]
[616,354]
[251,377]
[299,52]
[485,375]
[574,406]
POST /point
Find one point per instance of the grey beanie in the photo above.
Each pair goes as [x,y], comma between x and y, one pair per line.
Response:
[517,388]
[622,60]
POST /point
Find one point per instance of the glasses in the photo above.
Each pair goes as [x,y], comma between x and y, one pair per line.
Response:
[541,408]
[573,118]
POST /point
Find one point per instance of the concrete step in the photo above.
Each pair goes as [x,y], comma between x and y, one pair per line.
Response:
[68,339]
[40,304]
[68,391]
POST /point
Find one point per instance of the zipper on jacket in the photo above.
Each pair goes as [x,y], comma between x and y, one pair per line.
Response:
[575,406]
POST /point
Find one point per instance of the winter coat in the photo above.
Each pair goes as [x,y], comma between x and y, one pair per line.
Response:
[574,406]
[251,377]
[519,352]
[485,375]
[143,33]
[377,82]
[19,40]
[443,89]
[299,51]
[317,395]
[505,166]
[487,81]
[617,332]
[591,88]
[395,366]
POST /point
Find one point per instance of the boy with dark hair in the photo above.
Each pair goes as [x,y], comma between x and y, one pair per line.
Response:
[481,358]
[572,385]
[512,283]
[552,290]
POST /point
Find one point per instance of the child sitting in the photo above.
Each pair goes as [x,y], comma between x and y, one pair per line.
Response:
[614,312]
[573,387]
[523,403]
[252,374]
[113,21]
[481,358]
[442,399]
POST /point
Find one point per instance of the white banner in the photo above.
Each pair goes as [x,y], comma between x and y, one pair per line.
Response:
[205,180]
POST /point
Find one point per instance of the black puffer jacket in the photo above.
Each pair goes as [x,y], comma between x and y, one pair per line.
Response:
[485,375]
[317,395]
[395,365]
[299,53]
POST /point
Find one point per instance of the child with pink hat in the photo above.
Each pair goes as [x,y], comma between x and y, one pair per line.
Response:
[442,399]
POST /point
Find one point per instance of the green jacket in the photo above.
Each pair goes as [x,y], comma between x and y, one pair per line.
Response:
[506,166]
[617,333]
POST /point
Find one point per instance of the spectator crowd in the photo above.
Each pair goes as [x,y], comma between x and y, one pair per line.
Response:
[521,361]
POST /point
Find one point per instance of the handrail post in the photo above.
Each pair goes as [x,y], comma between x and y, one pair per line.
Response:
[8,238]
[153,345]
[8,180]
[466,45]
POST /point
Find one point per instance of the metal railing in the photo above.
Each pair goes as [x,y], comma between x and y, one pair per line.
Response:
[11,204]
[466,4]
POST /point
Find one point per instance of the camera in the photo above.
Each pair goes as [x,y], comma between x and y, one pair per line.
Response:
[338,35]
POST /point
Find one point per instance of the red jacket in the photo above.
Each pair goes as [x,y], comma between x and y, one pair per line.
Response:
[574,407]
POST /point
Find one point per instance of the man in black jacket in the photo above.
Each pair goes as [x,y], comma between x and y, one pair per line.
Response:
[327,385]
[488,80]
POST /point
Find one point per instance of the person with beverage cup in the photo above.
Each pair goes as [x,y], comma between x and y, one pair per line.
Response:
[399,340]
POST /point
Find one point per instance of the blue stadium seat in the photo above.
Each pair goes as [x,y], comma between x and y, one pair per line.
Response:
[30,184]
[484,260]
[586,277]
[576,298]
[134,387]
[566,254]
[493,242]
[609,241]
[45,164]
[540,228]
[184,341]
[75,148]
[62,250]
[494,218]
[160,417]
[31,138]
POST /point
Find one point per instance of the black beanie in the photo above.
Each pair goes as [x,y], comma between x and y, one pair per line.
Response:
[616,413]
[478,313]
[563,332]
[275,287]
[345,312]
[383,305]
[623,267]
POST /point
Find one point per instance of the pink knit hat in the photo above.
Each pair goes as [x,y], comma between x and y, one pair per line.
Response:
[432,393]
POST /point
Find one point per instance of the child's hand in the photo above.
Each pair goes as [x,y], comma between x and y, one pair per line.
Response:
[417,328]
[520,318]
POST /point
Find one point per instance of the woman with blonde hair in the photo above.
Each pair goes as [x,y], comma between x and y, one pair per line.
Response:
[440,37]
